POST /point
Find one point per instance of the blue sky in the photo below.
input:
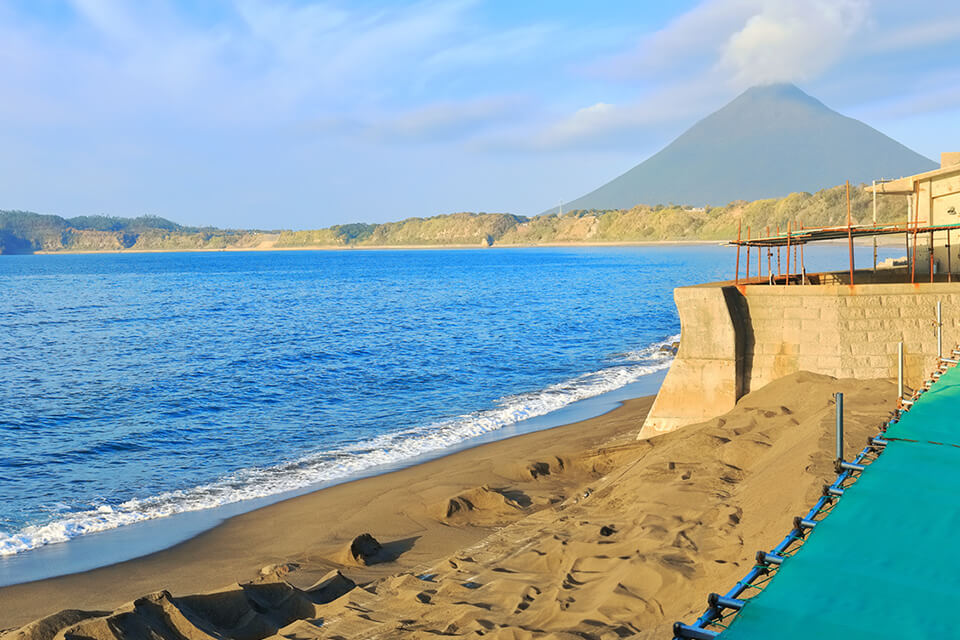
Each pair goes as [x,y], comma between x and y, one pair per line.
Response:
[296,114]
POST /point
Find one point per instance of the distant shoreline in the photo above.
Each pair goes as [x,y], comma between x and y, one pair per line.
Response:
[264,247]
[885,241]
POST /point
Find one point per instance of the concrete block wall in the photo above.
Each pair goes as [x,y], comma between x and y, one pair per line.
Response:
[708,358]
[833,329]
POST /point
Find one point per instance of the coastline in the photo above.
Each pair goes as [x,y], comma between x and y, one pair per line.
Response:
[402,507]
[398,247]
[883,241]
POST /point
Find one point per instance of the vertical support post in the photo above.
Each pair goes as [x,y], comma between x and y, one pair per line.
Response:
[769,259]
[949,260]
[874,224]
[759,265]
[779,271]
[736,279]
[803,263]
[916,225]
[796,264]
[899,372]
[906,235]
[803,266]
[939,332]
[839,400]
[748,254]
[849,232]
[788,252]
[930,221]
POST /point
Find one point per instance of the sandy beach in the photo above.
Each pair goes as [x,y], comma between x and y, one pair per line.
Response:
[579,531]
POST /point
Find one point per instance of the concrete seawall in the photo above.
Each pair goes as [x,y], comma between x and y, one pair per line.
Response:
[735,339]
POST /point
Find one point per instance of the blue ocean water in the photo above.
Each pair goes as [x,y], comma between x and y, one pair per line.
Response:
[139,386]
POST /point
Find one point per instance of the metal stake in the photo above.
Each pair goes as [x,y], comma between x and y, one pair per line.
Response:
[900,371]
[939,332]
[839,400]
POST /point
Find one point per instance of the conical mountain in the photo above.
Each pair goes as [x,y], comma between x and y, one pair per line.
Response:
[768,142]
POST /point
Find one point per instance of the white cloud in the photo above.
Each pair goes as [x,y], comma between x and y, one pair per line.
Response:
[745,41]
[786,41]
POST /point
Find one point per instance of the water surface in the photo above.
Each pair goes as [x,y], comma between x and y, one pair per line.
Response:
[138,386]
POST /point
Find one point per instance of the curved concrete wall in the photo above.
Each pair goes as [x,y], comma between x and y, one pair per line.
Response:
[737,339]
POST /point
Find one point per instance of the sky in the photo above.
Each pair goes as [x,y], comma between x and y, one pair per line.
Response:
[297,114]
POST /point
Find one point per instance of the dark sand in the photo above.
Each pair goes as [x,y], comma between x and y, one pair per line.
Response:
[575,532]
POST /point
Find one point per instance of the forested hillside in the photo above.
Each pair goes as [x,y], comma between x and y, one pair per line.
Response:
[25,232]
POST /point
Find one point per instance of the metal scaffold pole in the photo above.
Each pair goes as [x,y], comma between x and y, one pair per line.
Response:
[850,232]
[874,224]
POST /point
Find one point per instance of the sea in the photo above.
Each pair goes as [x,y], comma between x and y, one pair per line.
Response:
[140,388]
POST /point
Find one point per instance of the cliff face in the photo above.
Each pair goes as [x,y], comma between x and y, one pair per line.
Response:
[23,232]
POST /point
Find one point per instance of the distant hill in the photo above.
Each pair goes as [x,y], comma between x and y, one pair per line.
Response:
[25,232]
[767,143]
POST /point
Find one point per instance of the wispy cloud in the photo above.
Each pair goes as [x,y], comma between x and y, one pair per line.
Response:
[441,121]
[633,124]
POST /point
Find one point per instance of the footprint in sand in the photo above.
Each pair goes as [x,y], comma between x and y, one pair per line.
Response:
[529,595]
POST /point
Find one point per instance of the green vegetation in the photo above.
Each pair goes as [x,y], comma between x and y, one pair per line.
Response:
[25,232]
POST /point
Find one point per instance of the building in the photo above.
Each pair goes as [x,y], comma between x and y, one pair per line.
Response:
[932,198]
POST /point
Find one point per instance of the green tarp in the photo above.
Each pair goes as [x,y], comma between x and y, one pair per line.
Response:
[936,415]
[884,563]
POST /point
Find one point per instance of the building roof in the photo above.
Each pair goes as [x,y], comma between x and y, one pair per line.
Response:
[803,236]
[906,185]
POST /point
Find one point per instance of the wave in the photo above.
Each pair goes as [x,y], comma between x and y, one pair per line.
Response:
[326,466]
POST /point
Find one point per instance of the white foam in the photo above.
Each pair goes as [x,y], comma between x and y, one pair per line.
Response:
[326,466]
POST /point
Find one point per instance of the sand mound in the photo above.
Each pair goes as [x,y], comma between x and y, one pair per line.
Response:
[483,505]
[330,587]
[273,572]
[48,627]
[242,612]
[364,551]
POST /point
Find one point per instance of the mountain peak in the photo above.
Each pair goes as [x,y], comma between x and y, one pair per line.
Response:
[768,142]
[778,92]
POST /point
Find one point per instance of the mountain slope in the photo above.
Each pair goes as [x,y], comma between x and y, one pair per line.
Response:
[768,142]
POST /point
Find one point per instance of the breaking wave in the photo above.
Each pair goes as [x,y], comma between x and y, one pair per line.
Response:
[331,465]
